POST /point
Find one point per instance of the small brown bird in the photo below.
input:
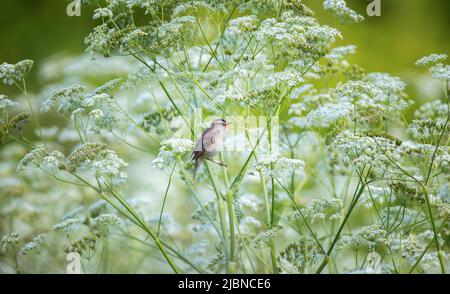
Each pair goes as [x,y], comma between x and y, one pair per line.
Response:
[210,144]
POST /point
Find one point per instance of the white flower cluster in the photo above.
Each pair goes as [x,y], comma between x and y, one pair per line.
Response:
[342,11]
[431,59]
[67,99]
[15,73]
[371,238]
[378,97]
[441,72]
[362,151]
[102,13]
[8,241]
[244,24]
[319,210]
[171,148]
[323,117]
[177,145]
[298,37]
[339,53]
[280,167]
[438,70]
[192,8]
[429,122]
[412,248]
[53,160]
[289,76]
[66,225]
[263,239]
[97,105]
[34,246]
[5,102]
[104,222]
[34,158]
[300,254]
[108,167]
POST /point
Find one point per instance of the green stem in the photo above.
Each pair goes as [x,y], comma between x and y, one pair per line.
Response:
[135,218]
[146,228]
[231,220]
[221,210]
[164,202]
[436,236]
[358,193]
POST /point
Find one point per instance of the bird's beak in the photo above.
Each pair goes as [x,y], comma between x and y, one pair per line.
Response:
[227,124]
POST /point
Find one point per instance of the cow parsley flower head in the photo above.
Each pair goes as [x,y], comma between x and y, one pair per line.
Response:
[66,225]
[374,98]
[102,13]
[341,52]
[319,210]
[177,145]
[280,167]
[156,120]
[15,73]
[342,11]
[371,238]
[8,241]
[104,222]
[385,82]
[81,245]
[108,167]
[243,24]
[83,155]
[18,122]
[67,99]
[441,72]
[169,149]
[323,117]
[358,150]
[96,100]
[435,110]
[426,130]
[412,248]
[431,59]
[96,114]
[301,254]
[53,160]
[357,90]
[5,102]
[263,239]
[34,246]
[194,8]
[102,121]
[289,76]
[33,158]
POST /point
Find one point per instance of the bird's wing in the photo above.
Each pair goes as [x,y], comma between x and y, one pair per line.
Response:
[209,139]
[200,146]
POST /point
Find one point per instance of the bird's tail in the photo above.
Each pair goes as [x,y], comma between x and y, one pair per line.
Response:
[198,162]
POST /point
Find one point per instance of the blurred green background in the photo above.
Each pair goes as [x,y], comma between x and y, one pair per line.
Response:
[405,31]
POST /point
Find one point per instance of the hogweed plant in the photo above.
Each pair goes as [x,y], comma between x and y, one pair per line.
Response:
[334,179]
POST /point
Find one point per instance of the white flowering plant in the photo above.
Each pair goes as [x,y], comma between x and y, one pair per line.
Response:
[346,180]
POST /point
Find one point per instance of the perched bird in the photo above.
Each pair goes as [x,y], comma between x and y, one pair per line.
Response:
[210,144]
